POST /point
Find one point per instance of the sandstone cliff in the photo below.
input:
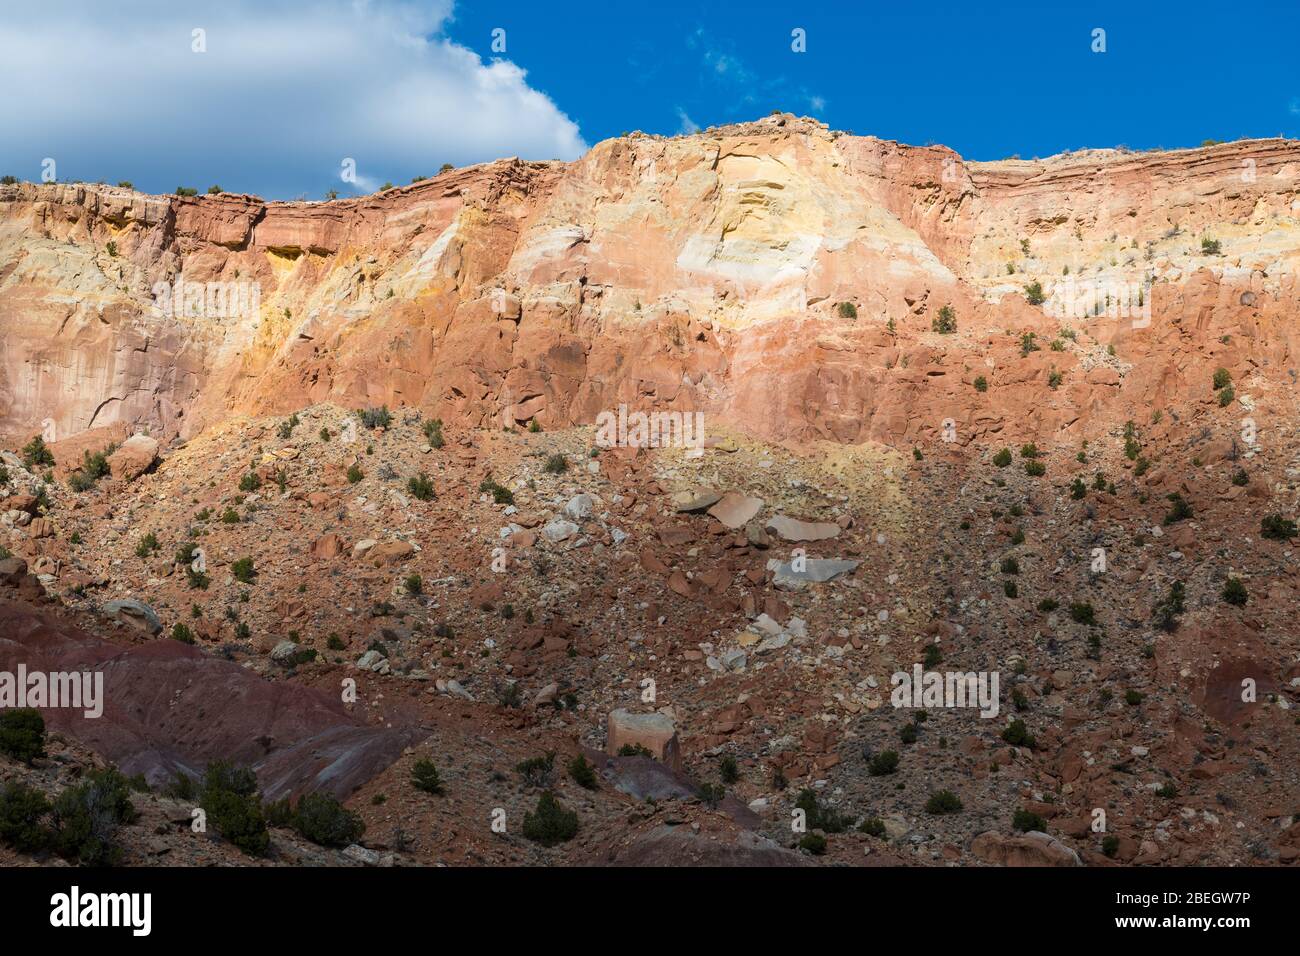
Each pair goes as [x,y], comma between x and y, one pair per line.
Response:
[706,272]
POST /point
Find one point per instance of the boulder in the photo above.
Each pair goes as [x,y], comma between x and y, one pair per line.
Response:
[133,457]
[736,510]
[133,613]
[327,546]
[655,732]
[390,552]
[1028,849]
[792,529]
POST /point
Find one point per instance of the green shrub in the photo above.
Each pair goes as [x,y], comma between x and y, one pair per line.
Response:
[1024,821]
[981,383]
[1132,698]
[1226,396]
[1277,528]
[355,473]
[36,454]
[945,323]
[321,819]
[420,487]
[237,817]
[814,843]
[375,417]
[634,750]
[1010,566]
[537,771]
[1234,592]
[551,824]
[1034,293]
[414,584]
[433,432]
[1002,458]
[243,570]
[22,734]
[182,633]
[86,818]
[1048,605]
[1165,615]
[582,772]
[943,802]
[1082,612]
[556,465]
[23,812]
[848,310]
[1222,378]
[500,494]
[1209,247]
[1180,511]
[820,817]
[873,826]
[883,763]
[728,770]
[1018,735]
[1035,468]
[424,776]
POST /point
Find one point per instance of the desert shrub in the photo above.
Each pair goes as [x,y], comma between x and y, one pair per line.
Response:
[872,826]
[1024,821]
[1034,293]
[945,323]
[414,584]
[556,465]
[981,383]
[943,802]
[550,824]
[420,487]
[1180,510]
[500,494]
[814,843]
[1234,592]
[1132,697]
[1002,458]
[1048,605]
[238,819]
[582,772]
[424,776]
[728,770]
[86,818]
[1054,379]
[1082,612]
[1110,845]
[243,570]
[537,771]
[355,473]
[1222,378]
[22,734]
[634,750]
[1010,566]
[287,426]
[23,812]
[848,310]
[1035,468]
[181,632]
[820,817]
[433,432]
[375,417]
[1078,490]
[1277,528]
[1018,735]
[36,454]
[1210,247]
[321,819]
[883,763]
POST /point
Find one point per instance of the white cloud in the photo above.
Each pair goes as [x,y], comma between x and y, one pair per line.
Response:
[689,125]
[283,94]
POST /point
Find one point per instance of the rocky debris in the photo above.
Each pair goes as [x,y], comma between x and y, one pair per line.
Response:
[559,530]
[735,510]
[692,502]
[133,457]
[785,574]
[327,546]
[135,614]
[653,731]
[792,529]
[1028,849]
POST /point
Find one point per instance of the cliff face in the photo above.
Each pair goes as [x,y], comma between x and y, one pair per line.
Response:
[699,273]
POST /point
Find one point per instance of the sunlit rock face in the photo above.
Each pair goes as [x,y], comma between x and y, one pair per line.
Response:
[780,277]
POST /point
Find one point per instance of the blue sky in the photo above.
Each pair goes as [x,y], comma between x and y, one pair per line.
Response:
[283,92]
